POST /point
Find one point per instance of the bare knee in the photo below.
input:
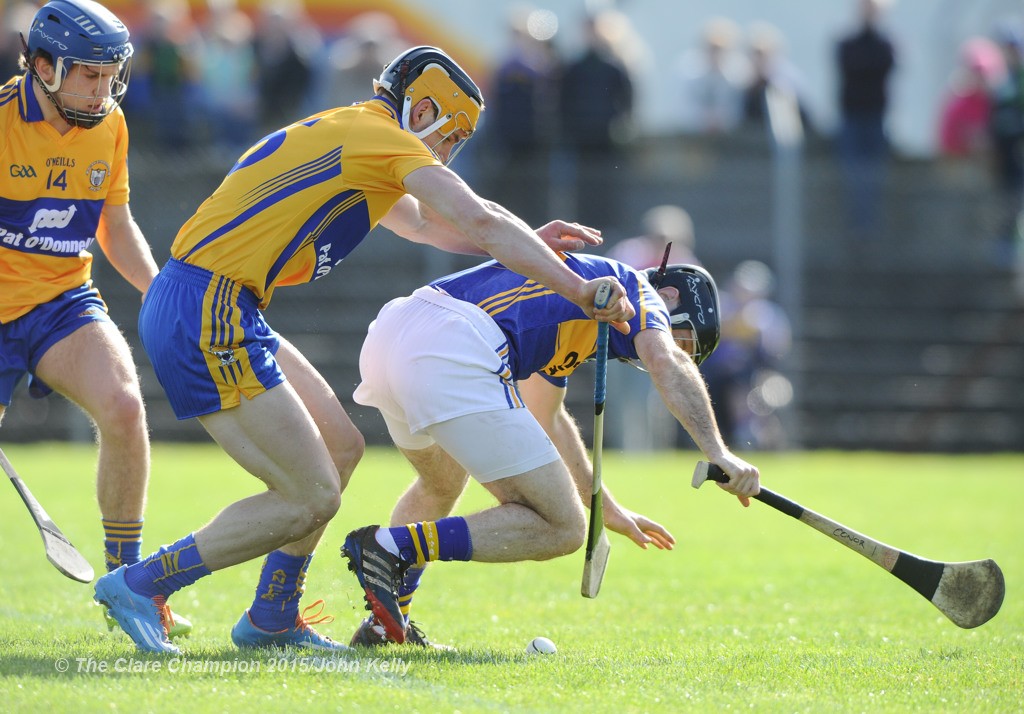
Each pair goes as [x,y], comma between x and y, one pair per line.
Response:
[326,505]
[322,514]
[314,513]
[566,535]
[120,413]
[314,503]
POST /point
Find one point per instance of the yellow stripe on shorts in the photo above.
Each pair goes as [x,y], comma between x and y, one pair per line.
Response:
[220,340]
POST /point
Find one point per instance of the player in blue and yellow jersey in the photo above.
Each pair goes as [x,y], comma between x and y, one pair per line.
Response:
[288,212]
[450,369]
[63,185]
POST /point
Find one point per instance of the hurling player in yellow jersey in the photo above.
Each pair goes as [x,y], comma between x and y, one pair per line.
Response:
[65,184]
[292,207]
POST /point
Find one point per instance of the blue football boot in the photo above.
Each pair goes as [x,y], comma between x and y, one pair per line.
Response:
[143,619]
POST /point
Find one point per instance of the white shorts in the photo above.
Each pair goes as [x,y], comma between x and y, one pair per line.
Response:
[435,368]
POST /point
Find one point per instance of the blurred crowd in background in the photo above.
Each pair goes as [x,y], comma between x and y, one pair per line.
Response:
[216,75]
[216,78]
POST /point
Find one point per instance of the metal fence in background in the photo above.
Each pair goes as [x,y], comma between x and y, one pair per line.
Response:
[909,338]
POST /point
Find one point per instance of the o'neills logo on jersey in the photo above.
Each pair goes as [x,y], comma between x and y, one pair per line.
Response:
[98,172]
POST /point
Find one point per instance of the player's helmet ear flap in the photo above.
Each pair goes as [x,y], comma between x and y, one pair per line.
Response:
[428,72]
[74,32]
[698,308]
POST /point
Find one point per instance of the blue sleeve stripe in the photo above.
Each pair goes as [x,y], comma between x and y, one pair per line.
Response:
[323,218]
[497,304]
[332,159]
[254,210]
[351,198]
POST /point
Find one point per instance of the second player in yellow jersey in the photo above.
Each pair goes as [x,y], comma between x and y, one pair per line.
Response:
[63,188]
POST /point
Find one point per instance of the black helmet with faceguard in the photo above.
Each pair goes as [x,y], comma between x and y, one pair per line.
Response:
[698,304]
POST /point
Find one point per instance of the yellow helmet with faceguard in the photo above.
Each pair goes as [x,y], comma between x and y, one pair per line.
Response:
[427,72]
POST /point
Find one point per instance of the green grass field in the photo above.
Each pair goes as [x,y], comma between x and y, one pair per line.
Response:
[752,611]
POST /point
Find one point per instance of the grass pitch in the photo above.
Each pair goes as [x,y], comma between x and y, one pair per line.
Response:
[752,611]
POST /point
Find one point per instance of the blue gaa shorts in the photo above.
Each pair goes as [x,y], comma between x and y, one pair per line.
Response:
[24,341]
[207,340]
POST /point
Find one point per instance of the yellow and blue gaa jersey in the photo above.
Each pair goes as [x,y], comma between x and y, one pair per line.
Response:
[302,198]
[52,191]
[546,332]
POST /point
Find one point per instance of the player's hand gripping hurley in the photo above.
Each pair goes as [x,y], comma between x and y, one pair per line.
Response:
[968,593]
[59,550]
[598,546]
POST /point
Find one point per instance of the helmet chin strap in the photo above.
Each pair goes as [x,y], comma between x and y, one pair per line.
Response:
[35,74]
[85,120]
[424,133]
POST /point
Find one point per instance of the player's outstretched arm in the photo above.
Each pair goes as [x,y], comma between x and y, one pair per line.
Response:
[417,222]
[547,404]
[684,392]
[440,192]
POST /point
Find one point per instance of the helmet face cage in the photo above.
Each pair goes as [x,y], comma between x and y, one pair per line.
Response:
[81,32]
[698,309]
[427,72]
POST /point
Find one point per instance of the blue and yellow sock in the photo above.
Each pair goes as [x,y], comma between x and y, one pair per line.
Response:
[282,582]
[122,543]
[427,541]
[410,582]
[168,570]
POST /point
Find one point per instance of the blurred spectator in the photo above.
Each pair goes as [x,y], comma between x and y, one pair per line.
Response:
[964,133]
[865,60]
[228,76]
[369,42]
[967,107]
[1008,143]
[596,108]
[287,44]
[662,225]
[522,109]
[165,74]
[773,79]
[15,19]
[747,389]
[711,81]
[640,421]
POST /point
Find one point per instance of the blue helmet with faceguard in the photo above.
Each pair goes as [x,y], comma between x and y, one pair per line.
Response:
[698,309]
[70,32]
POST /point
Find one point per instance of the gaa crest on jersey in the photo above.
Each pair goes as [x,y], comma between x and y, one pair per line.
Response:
[98,172]
[23,171]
